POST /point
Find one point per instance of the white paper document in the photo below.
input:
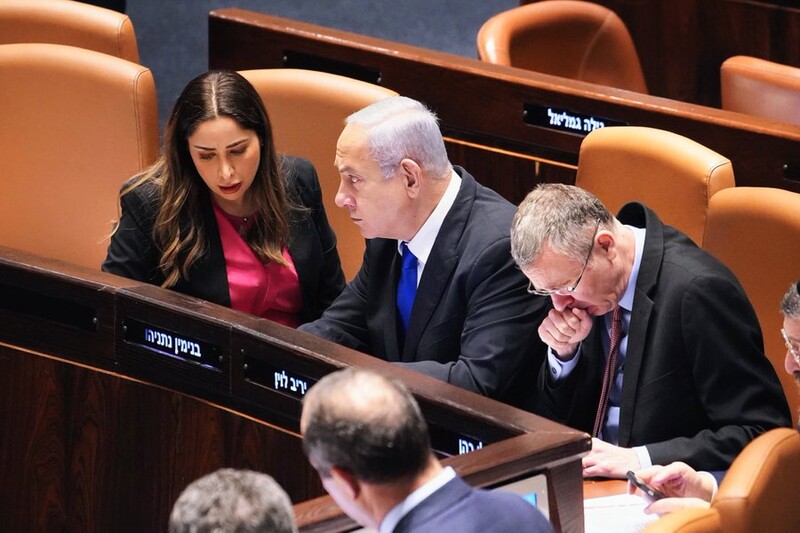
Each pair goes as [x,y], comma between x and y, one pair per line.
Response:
[621,513]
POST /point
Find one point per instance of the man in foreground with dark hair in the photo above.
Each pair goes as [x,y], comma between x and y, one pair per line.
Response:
[366,437]
[233,501]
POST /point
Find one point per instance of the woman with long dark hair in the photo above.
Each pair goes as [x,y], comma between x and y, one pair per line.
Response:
[221,216]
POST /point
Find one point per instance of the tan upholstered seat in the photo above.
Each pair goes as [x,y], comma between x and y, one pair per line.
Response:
[761,88]
[759,492]
[70,23]
[687,521]
[75,125]
[568,38]
[307,110]
[669,173]
[756,231]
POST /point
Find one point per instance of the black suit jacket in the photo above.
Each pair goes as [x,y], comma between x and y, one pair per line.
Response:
[132,252]
[473,321]
[697,386]
[457,507]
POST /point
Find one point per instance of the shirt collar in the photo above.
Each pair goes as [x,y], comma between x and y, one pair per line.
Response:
[422,243]
[639,234]
[397,512]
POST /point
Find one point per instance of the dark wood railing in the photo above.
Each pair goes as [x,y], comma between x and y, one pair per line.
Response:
[115,395]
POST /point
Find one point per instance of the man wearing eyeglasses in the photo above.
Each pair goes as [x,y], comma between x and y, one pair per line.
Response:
[654,347]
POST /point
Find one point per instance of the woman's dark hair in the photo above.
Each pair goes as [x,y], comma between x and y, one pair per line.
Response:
[179,231]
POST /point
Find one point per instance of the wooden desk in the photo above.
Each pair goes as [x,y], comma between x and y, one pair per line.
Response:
[597,488]
[115,395]
[484,109]
[682,43]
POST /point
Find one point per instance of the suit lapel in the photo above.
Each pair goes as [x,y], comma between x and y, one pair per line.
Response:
[300,249]
[441,263]
[384,266]
[641,314]
[391,332]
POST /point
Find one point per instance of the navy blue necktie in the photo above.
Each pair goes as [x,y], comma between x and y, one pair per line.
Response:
[406,287]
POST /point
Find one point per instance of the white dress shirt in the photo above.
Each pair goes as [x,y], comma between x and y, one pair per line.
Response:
[422,243]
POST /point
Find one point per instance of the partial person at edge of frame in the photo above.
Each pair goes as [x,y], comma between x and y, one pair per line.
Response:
[230,500]
[221,216]
[682,485]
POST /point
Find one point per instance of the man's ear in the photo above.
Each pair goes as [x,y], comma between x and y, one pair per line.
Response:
[412,175]
[347,482]
[607,242]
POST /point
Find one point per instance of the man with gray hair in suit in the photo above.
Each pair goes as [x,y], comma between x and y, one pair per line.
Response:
[437,291]
[654,347]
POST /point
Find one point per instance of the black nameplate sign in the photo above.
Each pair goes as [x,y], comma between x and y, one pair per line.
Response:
[52,308]
[293,59]
[288,382]
[553,118]
[448,442]
[166,342]
[278,379]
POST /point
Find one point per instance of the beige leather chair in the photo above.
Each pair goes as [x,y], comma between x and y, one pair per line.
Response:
[687,521]
[577,40]
[75,125]
[671,174]
[756,232]
[761,88]
[307,110]
[70,23]
[759,492]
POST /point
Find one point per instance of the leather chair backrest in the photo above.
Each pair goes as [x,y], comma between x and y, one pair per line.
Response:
[761,88]
[75,125]
[70,23]
[693,520]
[307,110]
[759,492]
[756,232]
[568,38]
[673,175]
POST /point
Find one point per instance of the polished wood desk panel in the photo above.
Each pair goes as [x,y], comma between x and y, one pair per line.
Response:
[115,395]
[483,108]
[682,43]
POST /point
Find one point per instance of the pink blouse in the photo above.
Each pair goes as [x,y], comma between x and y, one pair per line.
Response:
[267,290]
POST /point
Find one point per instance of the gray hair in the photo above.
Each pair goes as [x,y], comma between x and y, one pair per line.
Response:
[228,501]
[790,304]
[561,217]
[398,128]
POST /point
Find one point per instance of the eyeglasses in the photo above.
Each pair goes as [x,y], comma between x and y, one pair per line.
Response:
[791,347]
[571,288]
